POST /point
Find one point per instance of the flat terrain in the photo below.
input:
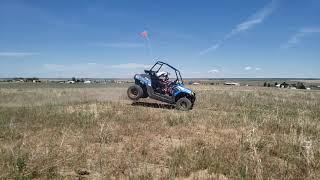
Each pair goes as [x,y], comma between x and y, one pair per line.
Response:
[69,131]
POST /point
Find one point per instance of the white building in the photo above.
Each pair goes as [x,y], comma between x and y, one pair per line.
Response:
[232,84]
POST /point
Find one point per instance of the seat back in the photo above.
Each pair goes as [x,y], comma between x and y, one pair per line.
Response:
[154,81]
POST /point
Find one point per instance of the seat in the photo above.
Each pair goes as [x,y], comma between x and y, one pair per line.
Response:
[155,83]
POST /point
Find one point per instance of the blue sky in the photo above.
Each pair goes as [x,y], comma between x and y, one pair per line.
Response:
[100,38]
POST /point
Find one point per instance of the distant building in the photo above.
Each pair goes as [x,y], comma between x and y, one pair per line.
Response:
[36,81]
[232,84]
[284,85]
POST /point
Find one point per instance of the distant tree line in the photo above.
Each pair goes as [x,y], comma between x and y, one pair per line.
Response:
[298,85]
[33,79]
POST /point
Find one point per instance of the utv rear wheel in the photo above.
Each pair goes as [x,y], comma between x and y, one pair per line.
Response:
[135,92]
[184,104]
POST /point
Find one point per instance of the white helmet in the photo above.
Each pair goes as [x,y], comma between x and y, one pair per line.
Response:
[162,74]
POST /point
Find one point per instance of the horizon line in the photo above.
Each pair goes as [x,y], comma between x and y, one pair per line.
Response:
[305,78]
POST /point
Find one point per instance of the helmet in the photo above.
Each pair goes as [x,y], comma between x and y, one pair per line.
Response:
[162,73]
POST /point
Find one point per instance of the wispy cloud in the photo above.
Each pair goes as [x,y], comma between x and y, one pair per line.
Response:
[86,66]
[213,71]
[120,45]
[311,30]
[92,69]
[131,66]
[251,22]
[17,54]
[77,70]
[248,68]
[255,19]
[212,48]
[296,38]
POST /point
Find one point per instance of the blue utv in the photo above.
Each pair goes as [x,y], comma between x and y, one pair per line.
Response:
[157,85]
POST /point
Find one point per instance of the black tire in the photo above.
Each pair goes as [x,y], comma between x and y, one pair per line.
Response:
[135,92]
[184,104]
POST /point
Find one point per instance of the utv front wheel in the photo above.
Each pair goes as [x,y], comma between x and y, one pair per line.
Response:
[184,104]
[135,92]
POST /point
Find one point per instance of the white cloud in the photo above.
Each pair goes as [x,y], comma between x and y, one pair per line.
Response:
[255,19]
[92,69]
[131,66]
[212,48]
[72,67]
[311,30]
[16,54]
[248,68]
[252,21]
[87,66]
[87,70]
[296,38]
[120,45]
[214,71]
[251,68]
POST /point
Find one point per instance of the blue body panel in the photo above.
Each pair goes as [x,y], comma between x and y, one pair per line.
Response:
[177,88]
[144,79]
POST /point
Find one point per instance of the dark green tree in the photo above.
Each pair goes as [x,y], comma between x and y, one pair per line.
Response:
[300,85]
[265,84]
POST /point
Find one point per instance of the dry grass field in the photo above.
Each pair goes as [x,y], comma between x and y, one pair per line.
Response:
[95,132]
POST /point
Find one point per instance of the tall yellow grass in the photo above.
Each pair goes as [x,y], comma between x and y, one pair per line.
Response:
[232,133]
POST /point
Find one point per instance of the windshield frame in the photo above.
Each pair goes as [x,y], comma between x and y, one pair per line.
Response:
[177,72]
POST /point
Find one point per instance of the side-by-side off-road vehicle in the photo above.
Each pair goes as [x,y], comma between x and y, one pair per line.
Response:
[157,85]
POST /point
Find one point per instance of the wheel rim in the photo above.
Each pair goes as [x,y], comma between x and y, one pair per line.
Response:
[134,92]
[183,105]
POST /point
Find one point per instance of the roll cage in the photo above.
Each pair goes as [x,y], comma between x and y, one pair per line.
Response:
[154,70]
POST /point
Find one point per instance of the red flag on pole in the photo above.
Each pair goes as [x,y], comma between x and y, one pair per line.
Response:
[144,34]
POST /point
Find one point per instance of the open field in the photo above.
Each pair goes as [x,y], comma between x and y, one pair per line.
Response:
[94,132]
